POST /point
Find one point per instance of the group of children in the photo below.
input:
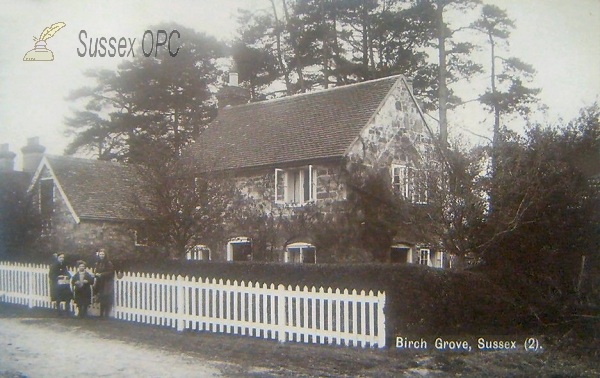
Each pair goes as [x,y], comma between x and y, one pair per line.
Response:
[80,286]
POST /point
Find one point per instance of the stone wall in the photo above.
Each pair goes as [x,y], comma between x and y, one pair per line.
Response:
[396,135]
[260,186]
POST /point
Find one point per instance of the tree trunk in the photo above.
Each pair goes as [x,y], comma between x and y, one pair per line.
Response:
[443,89]
[294,48]
[284,69]
[325,45]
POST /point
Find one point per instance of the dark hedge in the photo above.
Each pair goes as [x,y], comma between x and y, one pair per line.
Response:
[419,300]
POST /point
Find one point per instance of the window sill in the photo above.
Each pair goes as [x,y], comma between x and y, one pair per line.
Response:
[294,205]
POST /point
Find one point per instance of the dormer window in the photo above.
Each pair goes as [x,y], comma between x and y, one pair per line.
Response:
[295,186]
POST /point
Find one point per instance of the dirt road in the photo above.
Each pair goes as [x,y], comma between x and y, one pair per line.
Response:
[36,343]
[30,348]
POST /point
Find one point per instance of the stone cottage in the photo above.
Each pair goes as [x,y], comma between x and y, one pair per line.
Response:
[86,204]
[286,153]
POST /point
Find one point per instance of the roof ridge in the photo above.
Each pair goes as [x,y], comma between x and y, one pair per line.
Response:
[297,95]
[82,159]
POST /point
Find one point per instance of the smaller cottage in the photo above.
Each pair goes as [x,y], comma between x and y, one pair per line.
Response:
[87,204]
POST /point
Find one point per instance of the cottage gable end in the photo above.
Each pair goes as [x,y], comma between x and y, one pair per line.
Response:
[44,171]
[396,133]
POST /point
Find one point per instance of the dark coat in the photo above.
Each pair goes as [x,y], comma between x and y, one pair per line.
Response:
[105,282]
[82,288]
[60,291]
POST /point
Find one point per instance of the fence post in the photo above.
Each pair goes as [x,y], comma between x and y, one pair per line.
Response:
[281,314]
[381,331]
[30,285]
[180,305]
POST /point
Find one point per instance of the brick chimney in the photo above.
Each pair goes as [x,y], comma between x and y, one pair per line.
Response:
[232,94]
[32,154]
[7,159]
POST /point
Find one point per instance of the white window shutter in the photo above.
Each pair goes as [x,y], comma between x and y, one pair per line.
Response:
[311,190]
[280,185]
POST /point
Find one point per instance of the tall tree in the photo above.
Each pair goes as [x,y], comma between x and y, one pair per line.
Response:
[453,58]
[323,43]
[145,113]
[150,103]
[514,96]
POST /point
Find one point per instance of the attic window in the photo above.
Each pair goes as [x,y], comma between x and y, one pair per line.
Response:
[295,186]
[46,197]
[410,182]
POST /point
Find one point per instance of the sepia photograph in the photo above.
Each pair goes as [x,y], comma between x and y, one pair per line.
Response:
[300,188]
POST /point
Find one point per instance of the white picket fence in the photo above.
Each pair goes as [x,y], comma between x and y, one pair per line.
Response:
[283,313]
[25,284]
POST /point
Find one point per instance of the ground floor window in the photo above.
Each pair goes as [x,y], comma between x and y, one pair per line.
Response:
[400,254]
[300,253]
[239,249]
[141,237]
[198,252]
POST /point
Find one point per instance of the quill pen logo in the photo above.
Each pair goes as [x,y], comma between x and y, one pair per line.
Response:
[40,53]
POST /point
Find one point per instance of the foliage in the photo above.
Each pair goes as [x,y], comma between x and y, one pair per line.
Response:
[157,103]
[508,92]
[18,219]
[182,208]
[307,44]
[545,214]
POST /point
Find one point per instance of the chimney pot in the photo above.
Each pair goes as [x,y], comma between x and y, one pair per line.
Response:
[7,158]
[32,154]
[233,79]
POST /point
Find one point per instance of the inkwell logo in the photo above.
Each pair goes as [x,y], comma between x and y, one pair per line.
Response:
[40,53]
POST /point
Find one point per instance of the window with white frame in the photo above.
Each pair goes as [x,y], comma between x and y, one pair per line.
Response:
[198,252]
[410,182]
[239,249]
[300,253]
[424,256]
[401,253]
[295,186]
[439,259]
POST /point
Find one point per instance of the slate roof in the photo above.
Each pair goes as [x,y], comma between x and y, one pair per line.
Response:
[97,189]
[315,125]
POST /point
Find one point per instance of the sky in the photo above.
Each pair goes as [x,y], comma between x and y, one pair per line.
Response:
[560,39]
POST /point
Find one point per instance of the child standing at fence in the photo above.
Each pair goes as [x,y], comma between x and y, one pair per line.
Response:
[60,288]
[104,286]
[82,282]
